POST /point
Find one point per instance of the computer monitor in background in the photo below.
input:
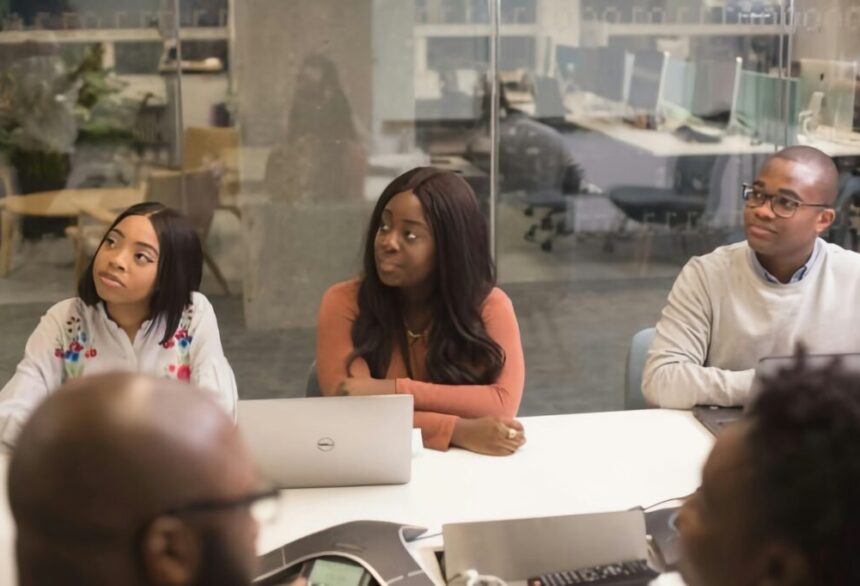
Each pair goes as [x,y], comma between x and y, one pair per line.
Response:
[766,107]
[549,103]
[578,65]
[714,90]
[615,66]
[837,81]
[646,80]
[678,84]
[567,60]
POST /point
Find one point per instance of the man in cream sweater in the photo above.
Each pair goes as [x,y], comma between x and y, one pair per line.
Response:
[758,298]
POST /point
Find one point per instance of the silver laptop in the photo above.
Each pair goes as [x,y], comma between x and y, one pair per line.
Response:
[518,549]
[330,441]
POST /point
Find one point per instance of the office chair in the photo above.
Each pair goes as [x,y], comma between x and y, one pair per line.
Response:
[668,205]
[312,389]
[535,159]
[678,208]
[636,356]
[558,214]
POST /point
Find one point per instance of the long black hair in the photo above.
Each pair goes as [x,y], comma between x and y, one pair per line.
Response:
[459,349]
[180,265]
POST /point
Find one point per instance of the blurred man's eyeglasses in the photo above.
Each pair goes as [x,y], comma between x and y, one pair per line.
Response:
[782,206]
[264,505]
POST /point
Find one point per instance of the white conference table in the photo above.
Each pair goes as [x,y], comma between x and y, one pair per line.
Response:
[571,464]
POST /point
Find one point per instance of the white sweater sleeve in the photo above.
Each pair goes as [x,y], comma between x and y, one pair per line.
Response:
[675,374]
[209,367]
[38,374]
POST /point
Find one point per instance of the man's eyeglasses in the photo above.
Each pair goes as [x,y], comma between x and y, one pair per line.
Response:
[783,206]
[264,505]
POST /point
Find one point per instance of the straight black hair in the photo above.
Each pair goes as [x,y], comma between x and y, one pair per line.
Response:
[459,350]
[180,265]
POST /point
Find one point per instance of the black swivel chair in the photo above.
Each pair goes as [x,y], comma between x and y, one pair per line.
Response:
[676,208]
[535,159]
[555,202]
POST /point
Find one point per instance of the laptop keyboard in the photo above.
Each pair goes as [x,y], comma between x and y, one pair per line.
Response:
[633,573]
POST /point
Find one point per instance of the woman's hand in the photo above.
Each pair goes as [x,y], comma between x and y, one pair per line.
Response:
[489,435]
[364,387]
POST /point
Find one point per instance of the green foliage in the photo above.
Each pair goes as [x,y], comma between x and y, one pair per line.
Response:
[49,105]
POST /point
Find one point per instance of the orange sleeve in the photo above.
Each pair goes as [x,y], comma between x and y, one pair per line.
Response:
[436,429]
[500,399]
[338,310]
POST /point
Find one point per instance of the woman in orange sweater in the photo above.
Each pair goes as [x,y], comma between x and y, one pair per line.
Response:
[425,318]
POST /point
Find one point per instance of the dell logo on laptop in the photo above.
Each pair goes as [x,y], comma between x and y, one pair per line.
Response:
[325,444]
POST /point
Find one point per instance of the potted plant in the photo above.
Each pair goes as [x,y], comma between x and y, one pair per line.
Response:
[46,109]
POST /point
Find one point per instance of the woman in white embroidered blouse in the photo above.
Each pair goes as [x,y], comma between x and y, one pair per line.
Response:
[137,310]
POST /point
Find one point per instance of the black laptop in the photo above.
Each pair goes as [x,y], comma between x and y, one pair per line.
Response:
[715,419]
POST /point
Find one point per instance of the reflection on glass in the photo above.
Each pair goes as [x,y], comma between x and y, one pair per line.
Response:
[625,130]
[321,157]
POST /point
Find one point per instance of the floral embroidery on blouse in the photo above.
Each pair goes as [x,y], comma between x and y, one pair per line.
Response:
[181,340]
[79,346]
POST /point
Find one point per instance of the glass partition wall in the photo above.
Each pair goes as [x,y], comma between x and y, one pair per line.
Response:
[88,100]
[606,141]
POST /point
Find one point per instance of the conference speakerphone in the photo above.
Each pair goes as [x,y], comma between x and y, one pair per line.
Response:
[361,553]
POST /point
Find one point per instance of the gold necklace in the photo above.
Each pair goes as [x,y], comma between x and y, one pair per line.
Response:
[412,336]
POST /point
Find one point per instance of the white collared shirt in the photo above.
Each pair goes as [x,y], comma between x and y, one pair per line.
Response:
[73,339]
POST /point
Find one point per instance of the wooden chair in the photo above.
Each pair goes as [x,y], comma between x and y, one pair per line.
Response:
[215,147]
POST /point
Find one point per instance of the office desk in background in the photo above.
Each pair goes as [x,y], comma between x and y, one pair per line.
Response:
[571,464]
[664,143]
[737,159]
[845,146]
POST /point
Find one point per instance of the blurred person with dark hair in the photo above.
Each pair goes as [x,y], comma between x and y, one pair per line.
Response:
[321,157]
[779,502]
[533,157]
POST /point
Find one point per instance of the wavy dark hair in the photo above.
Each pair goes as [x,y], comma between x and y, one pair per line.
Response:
[804,440]
[459,350]
[180,265]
